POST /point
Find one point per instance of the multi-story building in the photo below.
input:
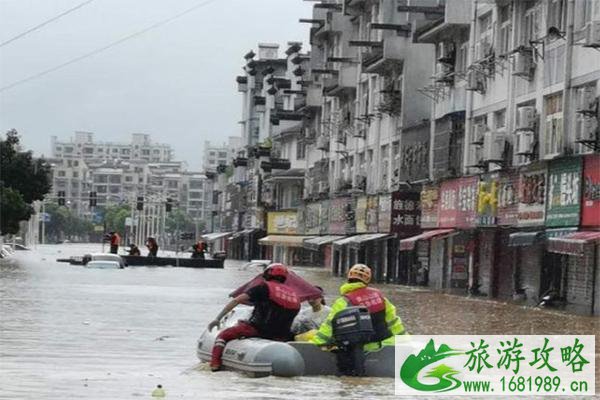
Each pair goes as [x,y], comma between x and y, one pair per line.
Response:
[213,155]
[452,144]
[82,146]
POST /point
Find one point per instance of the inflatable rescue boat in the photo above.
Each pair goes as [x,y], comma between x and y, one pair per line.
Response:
[261,357]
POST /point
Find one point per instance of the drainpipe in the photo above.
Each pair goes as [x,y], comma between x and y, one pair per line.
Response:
[566,105]
[469,103]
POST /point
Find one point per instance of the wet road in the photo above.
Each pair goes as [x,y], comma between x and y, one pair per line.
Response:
[71,332]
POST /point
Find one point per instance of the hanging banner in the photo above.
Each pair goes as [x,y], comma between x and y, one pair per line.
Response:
[508,203]
[351,215]
[341,214]
[282,222]
[487,200]
[564,192]
[406,213]
[371,214]
[385,213]
[311,219]
[457,203]
[590,206]
[361,214]
[429,206]
[532,195]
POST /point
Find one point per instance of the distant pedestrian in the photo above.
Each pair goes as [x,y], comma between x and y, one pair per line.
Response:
[199,249]
[152,247]
[134,250]
[115,240]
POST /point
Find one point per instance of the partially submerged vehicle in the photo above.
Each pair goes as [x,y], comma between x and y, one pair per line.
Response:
[262,357]
[134,261]
[104,264]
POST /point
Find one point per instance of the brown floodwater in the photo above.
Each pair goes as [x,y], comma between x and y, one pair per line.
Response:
[72,332]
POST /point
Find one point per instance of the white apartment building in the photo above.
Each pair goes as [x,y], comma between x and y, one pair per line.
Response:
[82,145]
[214,155]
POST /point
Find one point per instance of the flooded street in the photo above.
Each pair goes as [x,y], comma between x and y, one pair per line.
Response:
[71,332]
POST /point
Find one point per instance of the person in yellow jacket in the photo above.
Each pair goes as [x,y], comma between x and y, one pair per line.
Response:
[356,292]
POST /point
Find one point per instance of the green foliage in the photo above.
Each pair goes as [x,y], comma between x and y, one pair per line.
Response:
[65,223]
[21,172]
[23,180]
[12,210]
[177,220]
[114,217]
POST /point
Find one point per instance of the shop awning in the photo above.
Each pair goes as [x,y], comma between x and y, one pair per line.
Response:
[524,238]
[573,244]
[284,240]
[369,237]
[409,243]
[315,243]
[242,233]
[210,237]
[344,241]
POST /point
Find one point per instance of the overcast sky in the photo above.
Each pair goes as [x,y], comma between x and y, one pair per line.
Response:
[176,82]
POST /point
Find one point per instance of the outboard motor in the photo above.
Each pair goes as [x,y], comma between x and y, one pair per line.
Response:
[352,328]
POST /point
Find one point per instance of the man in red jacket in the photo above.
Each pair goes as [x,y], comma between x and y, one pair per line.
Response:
[275,307]
[115,240]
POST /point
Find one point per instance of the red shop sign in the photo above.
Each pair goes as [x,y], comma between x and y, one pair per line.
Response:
[590,207]
[458,200]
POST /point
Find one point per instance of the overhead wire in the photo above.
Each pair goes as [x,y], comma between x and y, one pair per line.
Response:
[108,46]
[41,25]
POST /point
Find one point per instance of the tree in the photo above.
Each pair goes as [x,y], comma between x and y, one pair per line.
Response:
[114,217]
[23,180]
[12,210]
[65,223]
[177,220]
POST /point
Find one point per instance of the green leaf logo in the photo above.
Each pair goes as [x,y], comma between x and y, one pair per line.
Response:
[412,366]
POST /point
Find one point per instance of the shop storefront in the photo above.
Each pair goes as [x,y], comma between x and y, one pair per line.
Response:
[217,242]
[282,243]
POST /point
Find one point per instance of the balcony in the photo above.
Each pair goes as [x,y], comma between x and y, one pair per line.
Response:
[240,162]
[389,56]
[329,28]
[456,17]
[342,82]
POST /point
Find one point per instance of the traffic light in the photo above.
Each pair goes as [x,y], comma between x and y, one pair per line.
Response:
[93,199]
[61,197]
[140,203]
[169,205]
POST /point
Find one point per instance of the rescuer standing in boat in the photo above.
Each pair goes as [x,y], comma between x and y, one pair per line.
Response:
[115,240]
[356,292]
[152,247]
[275,306]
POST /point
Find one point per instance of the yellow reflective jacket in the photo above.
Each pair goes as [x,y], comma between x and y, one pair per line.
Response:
[325,333]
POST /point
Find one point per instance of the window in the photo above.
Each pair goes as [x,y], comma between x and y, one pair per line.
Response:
[300,150]
[505,31]
[222,154]
[125,151]
[75,163]
[115,179]
[115,150]
[88,150]
[556,14]
[484,45]
[584,12]
[531,25]
[156,151]
[75,174]
[461,57]
[68,149]
[62,173]
[500,119]
[129,178]
[553,132]
[145,152]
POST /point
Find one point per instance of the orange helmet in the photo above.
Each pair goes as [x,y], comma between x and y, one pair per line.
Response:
[360,272]
[276,270]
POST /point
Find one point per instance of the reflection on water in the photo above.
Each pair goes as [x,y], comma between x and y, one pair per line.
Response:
[72,332]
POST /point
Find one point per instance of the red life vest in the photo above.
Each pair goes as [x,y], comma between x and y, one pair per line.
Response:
[374,301]
[283,295]
[367,297]
[115,240]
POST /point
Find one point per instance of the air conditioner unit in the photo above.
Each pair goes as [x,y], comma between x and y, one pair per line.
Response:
[474,81]
[360,133]
[340,137]
[484,48]
[323,143]
[323,187]
[526,118]
[446,53]
[493,146]
[523,63]
[525,142]
[586,129]
[586,99]
[592,34]
[479,132]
